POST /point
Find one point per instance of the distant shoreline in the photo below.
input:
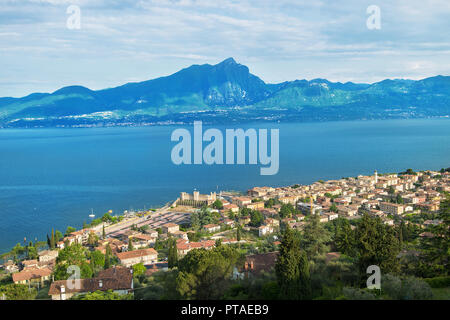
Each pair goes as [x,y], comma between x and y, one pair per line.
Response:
[207,122]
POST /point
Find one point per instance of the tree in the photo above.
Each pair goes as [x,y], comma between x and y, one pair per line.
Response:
[409,288]
[103,232]
[287,210]
[437,248]
[69,230]
[315,237]
[108,254]
[92,239]
[172,258]
[195,221]
[130,244]
[74,254]
[139,269]
[344,237]
[376,244]
[205,274]
[256,218]
[52,240]
[97,260]
[103,295]
[292,268]
[238,232]
[49,242]
[17,292]
[31,251]
[333,207]
[391,190]
[58,236]
[217,204]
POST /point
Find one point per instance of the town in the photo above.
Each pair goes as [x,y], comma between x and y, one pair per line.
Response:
[120,256]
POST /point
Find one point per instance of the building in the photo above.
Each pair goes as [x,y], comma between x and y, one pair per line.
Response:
[11,267]
[229,222]
[180,235]
[331,215]
[429,207]
[32,275]
[81,236]
[347,211]
[255,205]
[256,264]
[264,230]
[196,199]
[211,228]
[144,256]
[184,247]
[48,255]
[30,264]
[152,233]
[259,191]
[234,208]
[272,222]
[391,208]
[305,208]
[117,279]
[170,228]
[288,199]
[142,240]
[242,201]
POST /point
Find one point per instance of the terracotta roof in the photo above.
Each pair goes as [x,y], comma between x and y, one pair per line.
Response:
[196,245]
[27,263]
[212,225]
[29,274]
[136,253]
[170,225]
[142,237]
[111,279]
[262,262]
[332,255]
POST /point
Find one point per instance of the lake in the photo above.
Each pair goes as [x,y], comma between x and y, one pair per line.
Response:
[51,178]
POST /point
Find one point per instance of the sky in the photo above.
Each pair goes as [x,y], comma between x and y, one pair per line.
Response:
[122,41]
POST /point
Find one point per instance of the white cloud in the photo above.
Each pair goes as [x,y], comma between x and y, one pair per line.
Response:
[282,40]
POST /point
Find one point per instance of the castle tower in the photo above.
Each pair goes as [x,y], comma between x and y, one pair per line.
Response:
[376,176]
[196,196]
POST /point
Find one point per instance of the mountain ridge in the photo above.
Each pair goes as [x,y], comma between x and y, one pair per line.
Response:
[228,90]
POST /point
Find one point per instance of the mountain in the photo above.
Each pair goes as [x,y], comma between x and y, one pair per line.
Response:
[227,92]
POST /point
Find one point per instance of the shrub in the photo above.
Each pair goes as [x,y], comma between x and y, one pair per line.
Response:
[438,282]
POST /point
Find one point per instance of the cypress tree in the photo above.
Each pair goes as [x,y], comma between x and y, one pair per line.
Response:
[304,277]
[52,240]
[130,244]
[107,256]
[173,254]
[292,268]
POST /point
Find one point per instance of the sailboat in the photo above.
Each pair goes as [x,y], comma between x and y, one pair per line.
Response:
[92,215]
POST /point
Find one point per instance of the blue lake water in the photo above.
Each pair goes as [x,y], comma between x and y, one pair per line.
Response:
[51,178]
